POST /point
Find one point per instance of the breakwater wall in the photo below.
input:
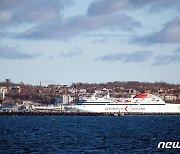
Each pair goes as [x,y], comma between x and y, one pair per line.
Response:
[80,113]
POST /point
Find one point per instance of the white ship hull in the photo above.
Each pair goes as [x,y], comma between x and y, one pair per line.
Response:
[166,108]
[141,103]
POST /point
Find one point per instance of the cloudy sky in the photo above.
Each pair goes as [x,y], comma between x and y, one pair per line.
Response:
[66,41]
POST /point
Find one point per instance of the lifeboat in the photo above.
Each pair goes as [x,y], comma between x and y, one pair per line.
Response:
[128,100]
[120,100]
[144,95]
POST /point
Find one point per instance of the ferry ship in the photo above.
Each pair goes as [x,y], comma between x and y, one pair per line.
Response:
[141,103]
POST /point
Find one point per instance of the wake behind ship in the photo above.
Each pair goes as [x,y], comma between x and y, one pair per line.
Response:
[141,103]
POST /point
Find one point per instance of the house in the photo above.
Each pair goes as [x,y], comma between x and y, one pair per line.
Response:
[15,88]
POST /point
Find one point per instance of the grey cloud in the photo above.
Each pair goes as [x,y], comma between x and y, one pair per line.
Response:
[47,22]
[3,34]
[135,57]
[102,40]
[169,34]
[15,12]
[166,59]
[73,53]
[100,7]
[109,6]
[177,51]
[79,24]
[172,58]
[12,54]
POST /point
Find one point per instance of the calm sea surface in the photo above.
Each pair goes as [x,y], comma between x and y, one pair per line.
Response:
[87,134]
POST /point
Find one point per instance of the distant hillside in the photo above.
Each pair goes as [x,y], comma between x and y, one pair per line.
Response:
[128,85]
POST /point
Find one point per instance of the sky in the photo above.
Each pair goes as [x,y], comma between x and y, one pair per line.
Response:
[89,41]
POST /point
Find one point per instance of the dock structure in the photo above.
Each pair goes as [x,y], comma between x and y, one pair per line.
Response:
[82,113]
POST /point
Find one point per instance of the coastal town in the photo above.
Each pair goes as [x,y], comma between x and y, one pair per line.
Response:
[52,98]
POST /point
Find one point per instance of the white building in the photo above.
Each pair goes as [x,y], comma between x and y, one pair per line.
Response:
[3,91]
[72,90]
[64,99]
[171,98]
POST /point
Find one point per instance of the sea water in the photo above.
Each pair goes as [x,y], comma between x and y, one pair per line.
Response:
[88,134]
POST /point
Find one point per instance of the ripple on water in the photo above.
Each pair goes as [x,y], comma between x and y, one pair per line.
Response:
[63,134]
